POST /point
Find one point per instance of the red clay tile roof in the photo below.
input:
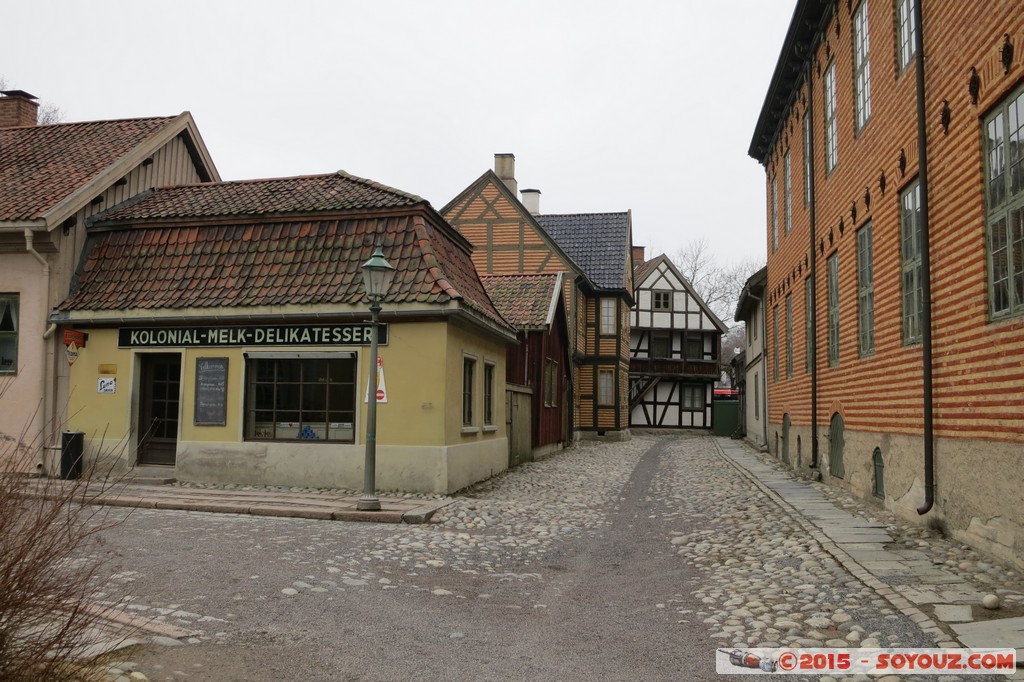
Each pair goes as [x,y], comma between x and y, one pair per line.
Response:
[274,263]
[41,165]
[641,270]
[523,300]
[333,192]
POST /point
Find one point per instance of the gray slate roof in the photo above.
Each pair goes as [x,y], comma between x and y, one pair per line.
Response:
[599,243]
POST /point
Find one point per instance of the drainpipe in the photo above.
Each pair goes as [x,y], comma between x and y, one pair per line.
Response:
[813,283]
[926,287]
[46,376]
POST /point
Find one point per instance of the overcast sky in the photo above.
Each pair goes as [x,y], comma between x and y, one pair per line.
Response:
[607,106]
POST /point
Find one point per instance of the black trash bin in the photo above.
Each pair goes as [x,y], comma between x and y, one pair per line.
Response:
[72,445]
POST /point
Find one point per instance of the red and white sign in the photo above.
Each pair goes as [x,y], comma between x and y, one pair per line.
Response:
[72,336]
[382,389]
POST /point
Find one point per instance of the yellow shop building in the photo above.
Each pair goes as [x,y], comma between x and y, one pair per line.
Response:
[222,329]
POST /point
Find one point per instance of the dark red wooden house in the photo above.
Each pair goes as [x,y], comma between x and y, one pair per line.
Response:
[535,306]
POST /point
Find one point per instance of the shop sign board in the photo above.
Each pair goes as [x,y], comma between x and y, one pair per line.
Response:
[347,334]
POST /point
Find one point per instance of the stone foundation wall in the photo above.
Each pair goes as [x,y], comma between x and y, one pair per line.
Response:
[974,503]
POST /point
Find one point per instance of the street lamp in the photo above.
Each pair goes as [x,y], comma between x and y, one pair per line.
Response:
[377,276]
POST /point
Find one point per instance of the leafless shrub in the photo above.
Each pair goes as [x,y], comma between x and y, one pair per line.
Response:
[49,565]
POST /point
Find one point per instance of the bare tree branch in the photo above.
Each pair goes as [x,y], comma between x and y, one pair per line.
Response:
[718,283]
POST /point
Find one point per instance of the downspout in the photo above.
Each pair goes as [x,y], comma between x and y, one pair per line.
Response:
[813,285]
[46,376]
[926,287]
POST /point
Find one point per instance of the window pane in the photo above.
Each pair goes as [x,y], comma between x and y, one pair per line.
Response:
[1017,229]
[831,130]
[833,309]
[661,344]
[607,316]
[865,292]
[907,32]
[316,403]
[1016,121]
[694,346]
[861,65]
[489,394]
[789,335]
[1000,268]
[996,162]
[606,387]
[467,391]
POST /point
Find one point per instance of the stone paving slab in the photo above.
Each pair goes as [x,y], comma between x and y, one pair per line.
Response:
[1003,632]
[954,613]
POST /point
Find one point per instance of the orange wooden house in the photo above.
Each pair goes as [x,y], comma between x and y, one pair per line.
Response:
[511,237]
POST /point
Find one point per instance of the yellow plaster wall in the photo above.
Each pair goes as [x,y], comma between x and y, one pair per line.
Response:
[414,371]
[462,343]
[105,418]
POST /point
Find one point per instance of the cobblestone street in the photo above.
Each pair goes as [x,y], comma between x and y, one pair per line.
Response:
[631,560]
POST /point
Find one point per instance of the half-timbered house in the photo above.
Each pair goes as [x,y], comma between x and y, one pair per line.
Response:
[512,237]
[675,347]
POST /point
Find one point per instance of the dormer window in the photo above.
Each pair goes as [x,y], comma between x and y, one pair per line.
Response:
[663,300]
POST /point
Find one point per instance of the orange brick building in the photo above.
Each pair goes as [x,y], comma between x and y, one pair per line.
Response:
[895,291]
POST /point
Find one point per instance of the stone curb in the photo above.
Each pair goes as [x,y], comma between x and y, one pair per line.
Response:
[394,510]
[939,636]
[150,626]
[423,513]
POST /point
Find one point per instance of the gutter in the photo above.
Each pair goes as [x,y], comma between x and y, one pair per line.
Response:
[926,287]
[46,376]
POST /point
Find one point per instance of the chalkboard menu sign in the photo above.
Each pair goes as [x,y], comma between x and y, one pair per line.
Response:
[211,391]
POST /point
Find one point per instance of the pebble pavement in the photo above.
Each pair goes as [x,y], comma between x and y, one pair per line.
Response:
[765,582]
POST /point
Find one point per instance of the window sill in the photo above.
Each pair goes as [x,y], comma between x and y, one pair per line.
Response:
[490,429]
[470,430]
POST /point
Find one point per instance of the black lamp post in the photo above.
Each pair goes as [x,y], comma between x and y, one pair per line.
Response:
[377,276]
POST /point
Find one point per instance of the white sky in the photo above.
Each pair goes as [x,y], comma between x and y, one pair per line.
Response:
[607,106]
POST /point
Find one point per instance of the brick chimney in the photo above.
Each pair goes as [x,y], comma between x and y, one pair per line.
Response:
[505,169]
[531,200]
[638,255]
[17,108]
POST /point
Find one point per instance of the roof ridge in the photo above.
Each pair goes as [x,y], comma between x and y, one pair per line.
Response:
[66,124]
[308,176]
[377,185]
[557,215]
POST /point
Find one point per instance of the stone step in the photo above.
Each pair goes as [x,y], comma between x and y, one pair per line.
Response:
[151,475]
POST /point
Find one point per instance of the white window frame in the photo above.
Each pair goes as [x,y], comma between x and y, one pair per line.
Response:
[831,124]
[861,66]
[906,34]
[608,317]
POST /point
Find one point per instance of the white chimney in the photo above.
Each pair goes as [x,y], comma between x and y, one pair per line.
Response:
[531,200]
[505,169]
